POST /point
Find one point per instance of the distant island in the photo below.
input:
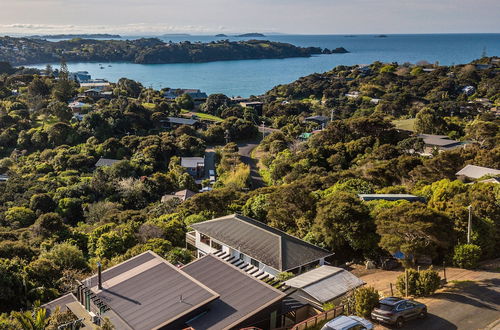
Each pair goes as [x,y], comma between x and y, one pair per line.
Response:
[250,35]
[221,35]
[176,35]
[22,51]
[72,36]
[381,36]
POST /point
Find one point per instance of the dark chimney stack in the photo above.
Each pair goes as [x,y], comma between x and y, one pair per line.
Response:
[99,276]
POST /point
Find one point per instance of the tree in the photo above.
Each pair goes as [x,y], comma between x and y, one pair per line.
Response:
[48,224]
[42,203]
[466,255]
[366,299]
[487,133]
[428,122]
[19,216]
[60,110]
[185,101]
[214,103]
[38,87]
[66,256]
[32,320]
[413,229]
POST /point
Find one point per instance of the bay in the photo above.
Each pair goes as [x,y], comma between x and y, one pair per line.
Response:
[255,77]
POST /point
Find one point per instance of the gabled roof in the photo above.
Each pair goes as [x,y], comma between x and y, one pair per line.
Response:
[105,162]
[476,172]
[147,292]
[192,162]
[241,295]
[326,283]
[183,195]
[268,245]
[439,140]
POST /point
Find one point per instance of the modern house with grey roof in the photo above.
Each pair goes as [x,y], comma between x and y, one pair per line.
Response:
[182,195]
[195,166]
[267,249]
[146,292]
[106,162]
[439,143]
[324,284]
[391,197]
[172,122]
[476,172]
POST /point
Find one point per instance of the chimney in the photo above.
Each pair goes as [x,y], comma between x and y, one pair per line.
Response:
[99,276]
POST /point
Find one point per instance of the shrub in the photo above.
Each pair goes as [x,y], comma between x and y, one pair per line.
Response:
[428,282]
[466,255]
[366,299]
[284,276]
[421,283]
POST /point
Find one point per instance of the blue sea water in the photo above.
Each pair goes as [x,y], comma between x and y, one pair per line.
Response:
[255,77]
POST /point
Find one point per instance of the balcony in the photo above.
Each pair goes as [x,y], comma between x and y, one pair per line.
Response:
[191,238]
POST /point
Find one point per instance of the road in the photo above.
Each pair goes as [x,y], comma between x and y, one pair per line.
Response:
[470,301]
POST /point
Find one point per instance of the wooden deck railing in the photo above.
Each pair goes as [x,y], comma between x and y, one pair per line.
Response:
[316,319]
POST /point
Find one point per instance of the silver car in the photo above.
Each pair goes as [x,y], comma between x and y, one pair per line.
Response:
[351,322]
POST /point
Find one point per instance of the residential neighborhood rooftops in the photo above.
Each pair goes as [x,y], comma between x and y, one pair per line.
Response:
[391,197]
[325,283]
[476,172]
[105,162]
[146,292]
[192,162]
[259,241]
[182,195]
[241,295]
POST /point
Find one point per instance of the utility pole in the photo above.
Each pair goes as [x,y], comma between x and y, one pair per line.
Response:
[263,130]
[469,225]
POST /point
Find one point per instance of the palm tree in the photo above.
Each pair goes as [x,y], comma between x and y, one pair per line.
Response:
[35,320]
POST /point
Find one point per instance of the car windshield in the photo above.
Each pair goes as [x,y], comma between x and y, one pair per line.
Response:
[385,307]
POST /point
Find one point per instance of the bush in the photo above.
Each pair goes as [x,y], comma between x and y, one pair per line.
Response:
[420,284]
[428,282]
[466,255]
[366,299]
[284,276]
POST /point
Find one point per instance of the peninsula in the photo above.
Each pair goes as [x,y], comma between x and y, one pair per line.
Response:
[72,36]
[23,51]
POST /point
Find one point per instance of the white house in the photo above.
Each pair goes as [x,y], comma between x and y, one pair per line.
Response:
[256,244]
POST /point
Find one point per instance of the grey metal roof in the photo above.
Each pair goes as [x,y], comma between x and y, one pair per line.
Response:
[438,140]
[60,302]
[105,162]
[321,119]
[390,197]
[182,121]
[261,242]
[326,283]
[241,295]
[192,162]
[147,292]
[476,172]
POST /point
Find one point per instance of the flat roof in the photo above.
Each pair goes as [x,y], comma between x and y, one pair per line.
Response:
[438,140]
[390,197]
[182,121]
[241,295]
[476,172]
[192,161]
[147,292]
[266,244]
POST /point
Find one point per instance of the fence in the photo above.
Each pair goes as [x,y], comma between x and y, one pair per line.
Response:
[316,319]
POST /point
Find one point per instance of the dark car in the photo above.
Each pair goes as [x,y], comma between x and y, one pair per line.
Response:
[393,310]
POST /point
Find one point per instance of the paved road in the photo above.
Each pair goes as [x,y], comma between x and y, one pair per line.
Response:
[472,303]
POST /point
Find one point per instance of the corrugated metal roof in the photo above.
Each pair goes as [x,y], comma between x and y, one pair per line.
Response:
[241,295]
[326,283]
[476,172]
[261,242]
[147,292]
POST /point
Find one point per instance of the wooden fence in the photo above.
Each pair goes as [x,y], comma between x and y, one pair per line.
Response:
[317,319]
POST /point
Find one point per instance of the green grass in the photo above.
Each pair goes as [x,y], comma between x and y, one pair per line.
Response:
[202,115]
[406,124]
[149,106]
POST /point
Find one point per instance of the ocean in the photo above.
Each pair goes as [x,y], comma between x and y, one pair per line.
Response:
[255,77]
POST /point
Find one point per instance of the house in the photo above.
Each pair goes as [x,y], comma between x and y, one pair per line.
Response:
[4,177]
[93,92]
[267,249]
[146,292]
[195,94]
[324,284]
[468,90]
[172,122]
[391,197]
[476,172]
[352,95]
[98,84]
[182,195]
[195,166]
[79,107]
[438,142]
[105,162]
[80,76]
[321,120]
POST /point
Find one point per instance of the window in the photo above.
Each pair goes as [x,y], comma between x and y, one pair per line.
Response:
[216,246]
[254,262]
[242,256]
[205,239]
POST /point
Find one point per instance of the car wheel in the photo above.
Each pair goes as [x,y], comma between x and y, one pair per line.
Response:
[422,313]
[400,322]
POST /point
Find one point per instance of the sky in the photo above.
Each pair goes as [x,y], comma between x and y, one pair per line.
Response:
[150,17]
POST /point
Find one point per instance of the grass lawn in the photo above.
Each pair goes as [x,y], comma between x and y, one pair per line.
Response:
[202,115]
[406,124]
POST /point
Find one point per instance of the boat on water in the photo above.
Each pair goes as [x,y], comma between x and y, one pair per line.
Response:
[109,66]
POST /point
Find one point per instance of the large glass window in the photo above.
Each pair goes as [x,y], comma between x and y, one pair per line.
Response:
[254,263]
[216,246]
[242,256]
[205,239]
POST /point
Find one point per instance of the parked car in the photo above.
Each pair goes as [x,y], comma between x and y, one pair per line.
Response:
[351,322]
[393,310]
